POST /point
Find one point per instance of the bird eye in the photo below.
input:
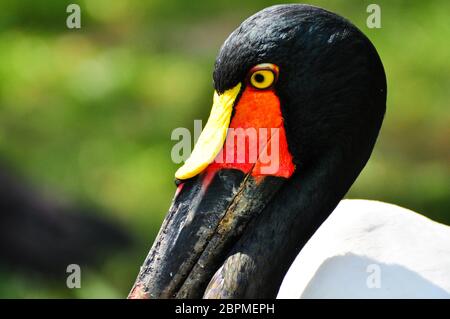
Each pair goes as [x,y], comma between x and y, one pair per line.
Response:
[262,79]
[263,76]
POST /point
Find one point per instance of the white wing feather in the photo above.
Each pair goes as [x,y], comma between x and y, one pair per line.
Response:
[370,249]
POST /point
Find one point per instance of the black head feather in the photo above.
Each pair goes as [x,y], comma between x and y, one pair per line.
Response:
[331,84]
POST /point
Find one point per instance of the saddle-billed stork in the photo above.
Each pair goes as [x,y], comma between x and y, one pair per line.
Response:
[311,89]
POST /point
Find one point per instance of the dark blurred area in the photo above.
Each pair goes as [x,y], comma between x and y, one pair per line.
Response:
[86,117]
[40,233]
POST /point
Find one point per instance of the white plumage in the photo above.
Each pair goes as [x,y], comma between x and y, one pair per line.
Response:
[370,249]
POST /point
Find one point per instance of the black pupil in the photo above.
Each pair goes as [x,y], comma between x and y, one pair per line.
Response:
[259,78]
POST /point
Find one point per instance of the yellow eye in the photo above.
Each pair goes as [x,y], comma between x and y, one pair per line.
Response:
[262,79]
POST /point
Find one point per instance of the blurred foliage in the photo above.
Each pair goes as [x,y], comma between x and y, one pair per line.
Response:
[90,111]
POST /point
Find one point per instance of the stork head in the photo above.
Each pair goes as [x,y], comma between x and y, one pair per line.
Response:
[299,99]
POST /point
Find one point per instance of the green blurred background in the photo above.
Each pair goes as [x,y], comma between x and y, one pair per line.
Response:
[89,111]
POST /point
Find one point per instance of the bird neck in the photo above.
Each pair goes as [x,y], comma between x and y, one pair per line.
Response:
[258,262]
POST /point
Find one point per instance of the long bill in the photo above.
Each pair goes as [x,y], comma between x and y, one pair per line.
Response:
[209,213]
